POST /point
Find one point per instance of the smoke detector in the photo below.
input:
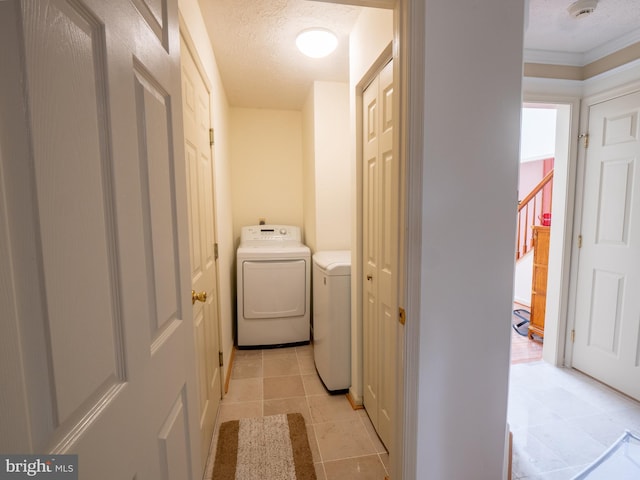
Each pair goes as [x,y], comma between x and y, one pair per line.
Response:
[582,8]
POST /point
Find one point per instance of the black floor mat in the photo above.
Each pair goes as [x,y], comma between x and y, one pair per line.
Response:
[520,321]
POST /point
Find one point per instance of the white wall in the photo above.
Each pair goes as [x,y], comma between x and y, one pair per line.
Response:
[192,16]
[560,239]
[266,173]
[538,133]
[471,112]
[372,33]
[523,279]
[332,180]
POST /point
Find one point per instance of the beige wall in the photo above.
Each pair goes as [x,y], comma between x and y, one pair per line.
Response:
[327,172]
[309,170]
[333,183]
[266,173]
[192,17]
[371,35]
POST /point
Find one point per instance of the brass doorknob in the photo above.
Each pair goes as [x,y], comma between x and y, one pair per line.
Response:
[201,297]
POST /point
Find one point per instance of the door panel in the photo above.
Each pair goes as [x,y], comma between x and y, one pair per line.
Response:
[155,13]
[204,278]
[174,453]
[615,201]
[370,252]
[380,254]
[104,247]
[90,326]
[607,327]
[387,270]
[156,165]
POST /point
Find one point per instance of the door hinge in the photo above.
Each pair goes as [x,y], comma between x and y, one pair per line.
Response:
[211,139]
[573,336]
[215,251]
[220,358]
[402,317]
[579,241]
[586,139]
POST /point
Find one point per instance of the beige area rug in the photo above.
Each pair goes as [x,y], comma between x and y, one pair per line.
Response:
[274,447]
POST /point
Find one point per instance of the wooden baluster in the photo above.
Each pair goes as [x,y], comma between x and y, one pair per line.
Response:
[526,224]
[524,230]
[518,236]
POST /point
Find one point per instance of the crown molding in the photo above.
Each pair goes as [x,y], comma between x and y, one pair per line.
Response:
[388,4]
[580,59]
[612,46]
[549,57]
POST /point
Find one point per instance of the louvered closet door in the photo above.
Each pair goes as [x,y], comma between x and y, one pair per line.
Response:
[380,253]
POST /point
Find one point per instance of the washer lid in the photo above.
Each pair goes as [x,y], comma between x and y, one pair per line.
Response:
[271,252]
[334,262]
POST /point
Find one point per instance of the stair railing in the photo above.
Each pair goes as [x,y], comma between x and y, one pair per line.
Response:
[530,214]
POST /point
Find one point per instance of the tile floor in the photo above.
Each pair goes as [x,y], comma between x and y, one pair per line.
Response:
[284,380]
[562,420]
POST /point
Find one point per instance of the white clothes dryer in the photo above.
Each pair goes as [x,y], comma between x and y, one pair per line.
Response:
[274,286]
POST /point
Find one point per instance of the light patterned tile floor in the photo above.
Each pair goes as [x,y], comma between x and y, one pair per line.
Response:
[562,420]
[283,380]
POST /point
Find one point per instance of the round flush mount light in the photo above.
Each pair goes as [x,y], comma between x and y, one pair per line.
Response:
[316,42]
[582,8]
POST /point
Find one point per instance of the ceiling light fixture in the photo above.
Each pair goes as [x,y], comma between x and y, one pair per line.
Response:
[316,42]
[582,8]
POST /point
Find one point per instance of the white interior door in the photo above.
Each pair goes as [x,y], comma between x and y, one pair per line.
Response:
[380,254]
[607,327]
[94,224]
[198,156]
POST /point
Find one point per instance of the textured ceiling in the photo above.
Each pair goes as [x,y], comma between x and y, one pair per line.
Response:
[613,25]
[254,42]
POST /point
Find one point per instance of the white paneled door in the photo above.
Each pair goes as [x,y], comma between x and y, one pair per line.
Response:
[607,326]
[96,285]
[198,157]
[380,189]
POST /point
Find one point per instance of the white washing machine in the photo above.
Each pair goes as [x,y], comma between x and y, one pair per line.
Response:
[274,286]
[332,318]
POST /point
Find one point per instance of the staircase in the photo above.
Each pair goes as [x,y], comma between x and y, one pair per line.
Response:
[531,211]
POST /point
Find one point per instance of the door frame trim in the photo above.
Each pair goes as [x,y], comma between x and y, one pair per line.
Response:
[555,346]
[410,52]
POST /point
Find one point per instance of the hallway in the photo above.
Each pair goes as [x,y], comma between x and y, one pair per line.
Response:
[562,420]
[284,380]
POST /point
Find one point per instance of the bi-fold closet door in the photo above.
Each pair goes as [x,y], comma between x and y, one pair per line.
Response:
[380,192]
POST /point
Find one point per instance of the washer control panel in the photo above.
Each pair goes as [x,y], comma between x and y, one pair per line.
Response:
[270,233]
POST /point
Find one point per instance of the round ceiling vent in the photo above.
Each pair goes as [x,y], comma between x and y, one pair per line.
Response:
[582,8]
